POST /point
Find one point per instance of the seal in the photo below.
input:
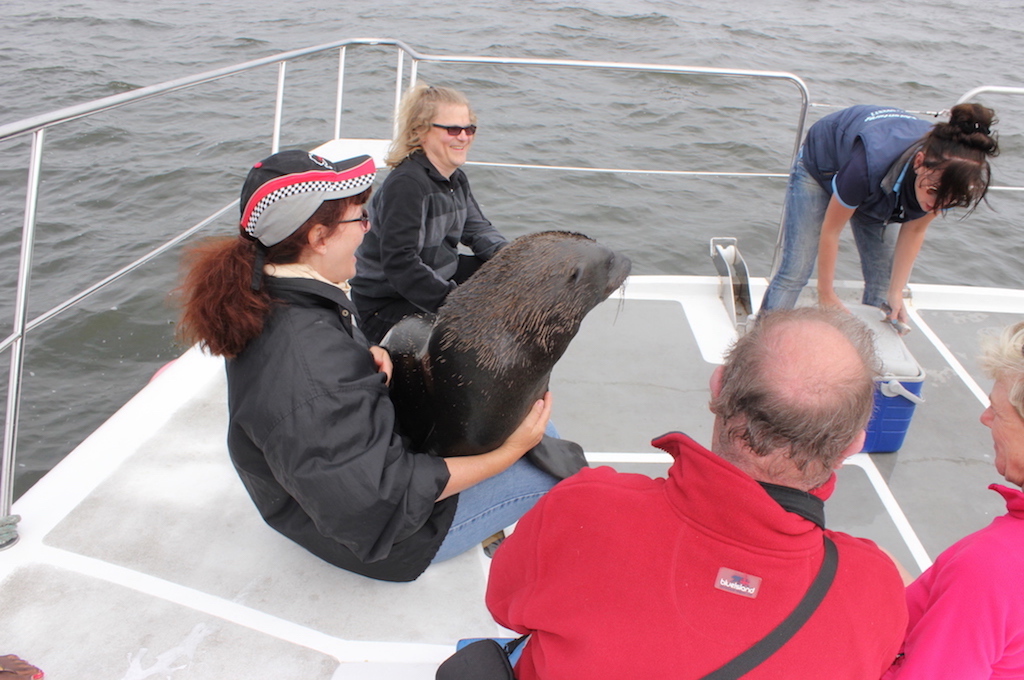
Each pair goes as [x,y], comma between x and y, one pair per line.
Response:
[466,377]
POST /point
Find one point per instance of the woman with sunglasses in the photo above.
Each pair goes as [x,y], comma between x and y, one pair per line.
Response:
[872,166]
[311,428]
[409,261]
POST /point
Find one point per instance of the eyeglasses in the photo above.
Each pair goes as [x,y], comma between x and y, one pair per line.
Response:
[364,221]
[456,130]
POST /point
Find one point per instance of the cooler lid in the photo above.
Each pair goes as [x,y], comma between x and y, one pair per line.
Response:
[897,361]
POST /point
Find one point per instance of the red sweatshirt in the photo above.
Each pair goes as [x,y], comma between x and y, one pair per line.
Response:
[623,576]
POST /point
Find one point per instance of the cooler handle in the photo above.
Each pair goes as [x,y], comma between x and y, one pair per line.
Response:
[894,388]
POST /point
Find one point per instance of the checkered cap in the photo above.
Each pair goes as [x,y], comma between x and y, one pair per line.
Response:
[282,191]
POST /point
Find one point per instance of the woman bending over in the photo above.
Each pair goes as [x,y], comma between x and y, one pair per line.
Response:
[872,166]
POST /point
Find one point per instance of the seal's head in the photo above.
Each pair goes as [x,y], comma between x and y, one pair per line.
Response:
[525,304]
[463,382]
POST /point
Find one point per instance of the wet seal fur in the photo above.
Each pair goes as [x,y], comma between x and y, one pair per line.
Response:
[466,377]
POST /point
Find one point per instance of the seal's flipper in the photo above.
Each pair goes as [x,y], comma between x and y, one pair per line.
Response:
[406,342]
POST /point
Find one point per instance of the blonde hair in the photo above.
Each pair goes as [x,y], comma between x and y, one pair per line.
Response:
[1003,358]
[415,116]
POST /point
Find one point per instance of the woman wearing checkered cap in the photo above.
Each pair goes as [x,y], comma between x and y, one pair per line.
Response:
[311,427]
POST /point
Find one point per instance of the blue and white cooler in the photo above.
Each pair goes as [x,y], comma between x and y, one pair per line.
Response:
[898,388]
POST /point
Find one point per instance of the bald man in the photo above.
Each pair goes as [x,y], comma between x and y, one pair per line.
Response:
[618,575]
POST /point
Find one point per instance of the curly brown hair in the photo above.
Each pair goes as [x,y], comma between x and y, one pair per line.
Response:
[221,310]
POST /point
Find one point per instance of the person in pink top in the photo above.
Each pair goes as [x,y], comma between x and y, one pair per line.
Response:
[967,610]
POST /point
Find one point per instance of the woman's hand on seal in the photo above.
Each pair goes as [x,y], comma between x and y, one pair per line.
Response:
[15,668]
[383,361]
[531,430]
[466,471]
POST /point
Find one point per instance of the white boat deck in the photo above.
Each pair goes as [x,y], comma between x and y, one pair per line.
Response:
[142,556]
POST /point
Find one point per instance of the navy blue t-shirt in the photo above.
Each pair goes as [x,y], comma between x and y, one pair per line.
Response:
[852,186]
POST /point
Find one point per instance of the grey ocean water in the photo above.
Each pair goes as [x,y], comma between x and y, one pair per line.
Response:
[116,185]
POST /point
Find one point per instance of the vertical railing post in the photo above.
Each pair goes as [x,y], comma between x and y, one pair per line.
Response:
[8,522]
[341,90]
[275,143]
[800,124]
[398,92]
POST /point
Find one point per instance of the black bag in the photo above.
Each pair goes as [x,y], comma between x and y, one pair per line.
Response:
[481,660]
[560,458]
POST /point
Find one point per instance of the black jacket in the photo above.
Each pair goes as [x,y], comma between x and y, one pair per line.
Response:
[311,434]
[411,252]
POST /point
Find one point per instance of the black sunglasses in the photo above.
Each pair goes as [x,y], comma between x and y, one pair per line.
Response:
[454,130]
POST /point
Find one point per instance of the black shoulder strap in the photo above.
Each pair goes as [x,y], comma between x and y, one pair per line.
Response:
[799,502]
[774,640]
[512,645]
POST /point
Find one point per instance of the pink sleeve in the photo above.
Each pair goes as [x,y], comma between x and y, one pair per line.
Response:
[958,615]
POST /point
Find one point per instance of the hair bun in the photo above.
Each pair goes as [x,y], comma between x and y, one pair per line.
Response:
[971,118]
[971,126]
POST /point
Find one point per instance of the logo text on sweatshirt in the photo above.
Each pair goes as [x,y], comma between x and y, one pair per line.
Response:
[737,582]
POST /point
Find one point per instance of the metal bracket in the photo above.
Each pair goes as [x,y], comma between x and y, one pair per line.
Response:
[733,280]
[9,530]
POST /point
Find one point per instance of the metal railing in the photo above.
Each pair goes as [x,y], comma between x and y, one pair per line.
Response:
[993,89]
[36,128]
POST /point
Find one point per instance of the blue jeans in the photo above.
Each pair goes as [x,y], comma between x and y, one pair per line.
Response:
[806,202]
[495,503]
